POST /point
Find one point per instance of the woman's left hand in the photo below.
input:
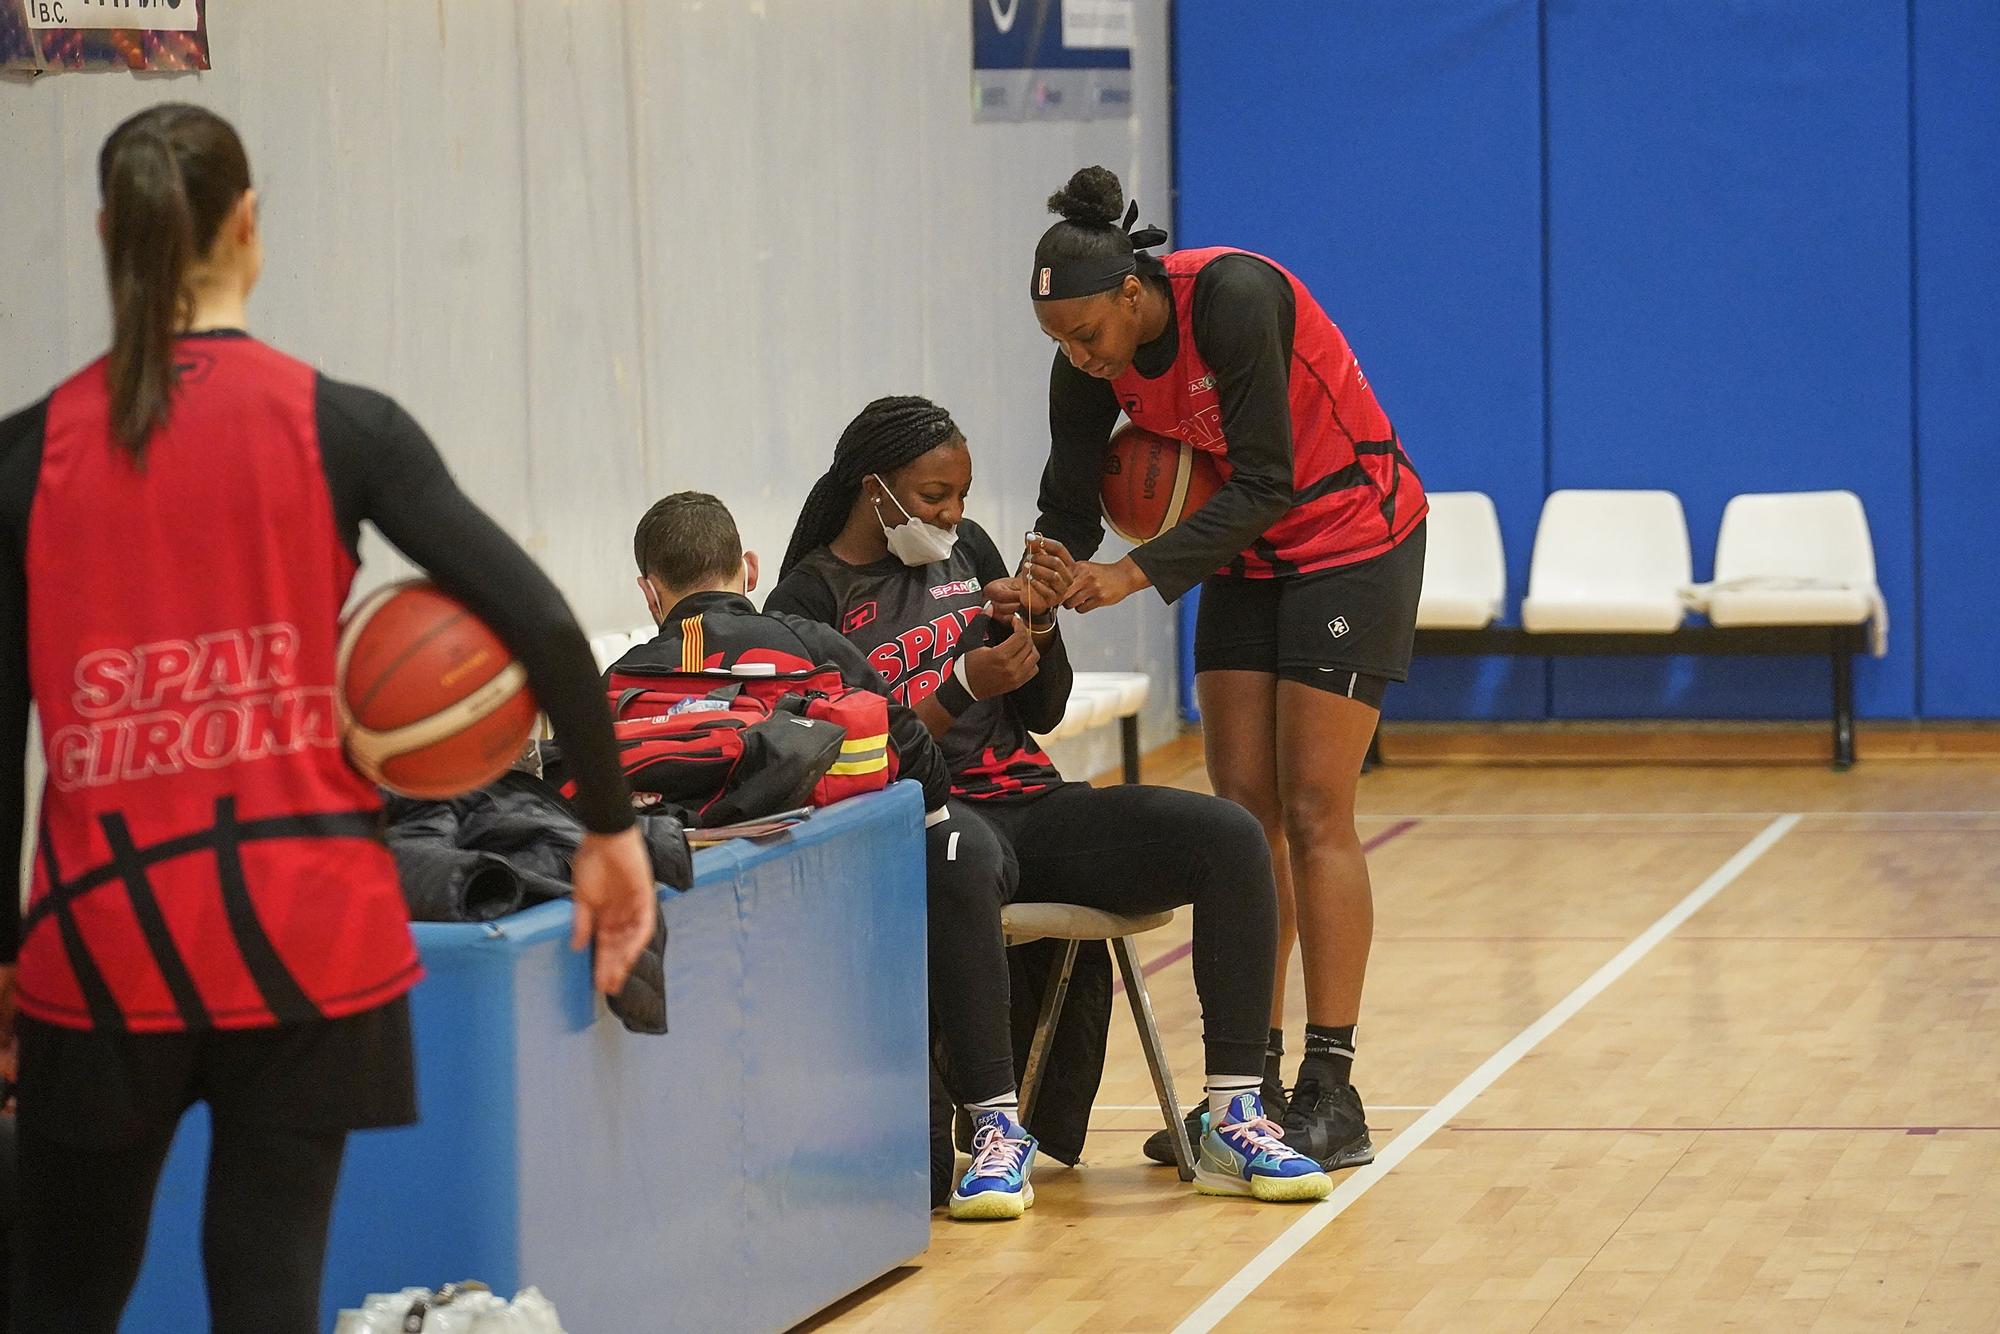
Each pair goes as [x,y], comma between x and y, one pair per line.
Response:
[1096,585]
[1047,568]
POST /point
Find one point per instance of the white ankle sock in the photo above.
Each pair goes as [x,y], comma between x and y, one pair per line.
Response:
[1008,1102]
[1222,1088]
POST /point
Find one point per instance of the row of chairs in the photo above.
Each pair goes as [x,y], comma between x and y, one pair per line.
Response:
[1619,561]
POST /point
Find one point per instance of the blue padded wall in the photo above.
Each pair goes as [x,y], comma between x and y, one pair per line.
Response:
[1729,296]
[1389,154]
[1764,231]
[691,1181]
[1957,60]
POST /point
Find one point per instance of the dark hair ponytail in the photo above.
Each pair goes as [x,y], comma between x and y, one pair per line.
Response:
[889,433]
[168,176]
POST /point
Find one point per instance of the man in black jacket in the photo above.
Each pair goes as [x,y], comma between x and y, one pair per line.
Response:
[696,579]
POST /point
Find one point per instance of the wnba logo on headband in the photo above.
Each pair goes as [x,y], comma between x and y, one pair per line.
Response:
[1091,266]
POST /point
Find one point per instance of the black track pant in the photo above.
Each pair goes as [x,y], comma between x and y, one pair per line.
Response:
[1136,849]
[84,1213]
[971,873]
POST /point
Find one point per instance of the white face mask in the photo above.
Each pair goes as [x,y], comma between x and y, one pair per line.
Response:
[913,541]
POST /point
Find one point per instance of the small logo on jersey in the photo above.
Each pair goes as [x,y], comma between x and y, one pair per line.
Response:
[1338,625]
[860,616]
[1205,382]
[952,590]
[192,367]
[1042,282]
[1131,405]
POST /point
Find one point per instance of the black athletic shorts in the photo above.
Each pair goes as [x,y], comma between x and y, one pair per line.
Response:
[1348,630]
[108,1090]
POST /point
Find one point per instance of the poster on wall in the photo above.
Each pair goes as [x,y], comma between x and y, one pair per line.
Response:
[45,35]
[1051,59]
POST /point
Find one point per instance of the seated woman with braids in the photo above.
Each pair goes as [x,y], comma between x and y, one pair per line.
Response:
[884,554]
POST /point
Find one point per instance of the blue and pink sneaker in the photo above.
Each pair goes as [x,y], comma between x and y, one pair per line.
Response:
[1246,1155]
[996,1185]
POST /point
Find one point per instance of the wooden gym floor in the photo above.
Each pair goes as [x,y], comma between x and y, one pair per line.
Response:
[1644,1048]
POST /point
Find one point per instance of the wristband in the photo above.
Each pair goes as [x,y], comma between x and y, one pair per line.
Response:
[954,696]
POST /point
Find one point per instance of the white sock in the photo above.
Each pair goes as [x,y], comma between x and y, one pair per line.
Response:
[1008,1102]
[1222,1088]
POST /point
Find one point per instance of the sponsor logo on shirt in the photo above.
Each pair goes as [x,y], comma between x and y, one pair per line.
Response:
[1338,625]
[1205,382]
[916,661]
[860,616]
[953,590]
[225,698]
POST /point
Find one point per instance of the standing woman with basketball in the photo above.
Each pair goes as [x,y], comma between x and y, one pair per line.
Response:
[1310,558]
[214,916]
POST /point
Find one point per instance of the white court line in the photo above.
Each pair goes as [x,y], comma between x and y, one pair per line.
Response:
[1231,1294]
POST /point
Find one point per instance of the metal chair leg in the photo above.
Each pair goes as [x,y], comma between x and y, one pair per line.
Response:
[1156,1060]
[1843,709]
[1045,1027]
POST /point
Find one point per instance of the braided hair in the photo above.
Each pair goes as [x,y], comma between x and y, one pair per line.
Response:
[889,433]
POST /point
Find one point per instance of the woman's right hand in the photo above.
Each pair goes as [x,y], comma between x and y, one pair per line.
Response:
[1004,667]
[616,902]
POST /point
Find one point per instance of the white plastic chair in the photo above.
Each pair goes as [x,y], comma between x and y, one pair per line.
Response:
[1465,565]
[1088,707]
[1608,561]
[608,649]
[1097,698]
[1798,558]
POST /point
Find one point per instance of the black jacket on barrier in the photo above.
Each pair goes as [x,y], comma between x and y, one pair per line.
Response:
[509,844]
[504,847]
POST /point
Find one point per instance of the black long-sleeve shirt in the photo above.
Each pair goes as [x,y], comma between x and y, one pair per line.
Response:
[380,467]
[1244,316]
[913,625]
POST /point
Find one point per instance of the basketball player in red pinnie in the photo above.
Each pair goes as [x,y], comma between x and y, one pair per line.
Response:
[214,915]
[1310,557]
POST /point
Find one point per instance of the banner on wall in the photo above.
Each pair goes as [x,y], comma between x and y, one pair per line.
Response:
[1051,59]
[41,35]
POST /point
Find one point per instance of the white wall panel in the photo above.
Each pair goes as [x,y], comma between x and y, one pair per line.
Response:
[605,249]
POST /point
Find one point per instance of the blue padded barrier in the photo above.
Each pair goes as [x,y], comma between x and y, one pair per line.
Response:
[689,1181]
[1729,299]
[1957,172]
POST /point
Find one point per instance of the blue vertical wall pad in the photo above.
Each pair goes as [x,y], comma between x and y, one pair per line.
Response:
[766,1157]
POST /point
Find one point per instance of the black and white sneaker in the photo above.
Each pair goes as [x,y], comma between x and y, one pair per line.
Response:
[1327,1124]
[1159,1146]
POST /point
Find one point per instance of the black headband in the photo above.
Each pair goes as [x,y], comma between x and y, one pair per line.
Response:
[1088,277]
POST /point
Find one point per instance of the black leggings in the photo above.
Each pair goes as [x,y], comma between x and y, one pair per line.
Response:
[1136,849]
[84,1215]
[971,873]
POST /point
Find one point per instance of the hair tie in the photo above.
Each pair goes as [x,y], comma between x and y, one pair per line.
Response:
[1146,237]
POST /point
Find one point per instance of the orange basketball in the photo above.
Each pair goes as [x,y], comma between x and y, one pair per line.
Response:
[432,703]
[1152,482]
